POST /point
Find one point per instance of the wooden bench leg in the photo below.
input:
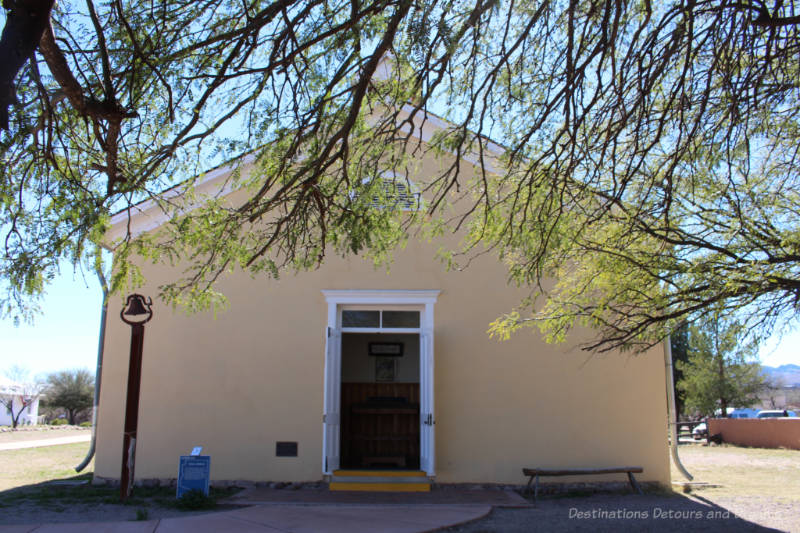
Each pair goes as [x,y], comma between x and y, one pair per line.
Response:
[528,488]
[536,489]
[634,484]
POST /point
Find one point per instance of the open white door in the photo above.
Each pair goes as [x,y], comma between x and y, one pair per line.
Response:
[333,390]
[423,300]
[427,449]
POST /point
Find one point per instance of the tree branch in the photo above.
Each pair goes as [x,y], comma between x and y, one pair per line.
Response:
[26,21]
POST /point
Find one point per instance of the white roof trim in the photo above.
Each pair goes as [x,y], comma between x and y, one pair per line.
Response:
[425,134]
[381,296]
[146,216]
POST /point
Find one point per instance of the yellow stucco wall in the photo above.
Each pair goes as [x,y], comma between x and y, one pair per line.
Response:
[254,375]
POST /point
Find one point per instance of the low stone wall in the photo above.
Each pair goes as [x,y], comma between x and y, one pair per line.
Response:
[546,488]
[758,432]
[42,427]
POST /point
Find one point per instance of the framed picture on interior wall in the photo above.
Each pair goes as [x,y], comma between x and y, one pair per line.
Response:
[393,349]
[384,369]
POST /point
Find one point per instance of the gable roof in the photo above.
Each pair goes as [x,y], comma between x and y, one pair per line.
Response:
[145,215]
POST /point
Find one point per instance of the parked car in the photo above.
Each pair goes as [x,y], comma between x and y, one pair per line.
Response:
[776,413]
[700,431]
[737,412]
[743,413]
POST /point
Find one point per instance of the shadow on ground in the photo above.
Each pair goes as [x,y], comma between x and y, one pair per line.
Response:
[610,512]
[75,499]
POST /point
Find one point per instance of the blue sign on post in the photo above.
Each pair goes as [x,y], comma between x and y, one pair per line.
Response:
[194,473]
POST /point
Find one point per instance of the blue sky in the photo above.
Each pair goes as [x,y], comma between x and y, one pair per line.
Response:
[65,336]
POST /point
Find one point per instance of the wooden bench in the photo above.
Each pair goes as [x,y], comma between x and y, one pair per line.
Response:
[534,474]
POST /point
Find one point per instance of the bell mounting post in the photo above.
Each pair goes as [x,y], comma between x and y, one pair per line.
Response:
[136,313]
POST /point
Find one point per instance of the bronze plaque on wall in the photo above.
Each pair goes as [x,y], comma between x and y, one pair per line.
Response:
[286,449]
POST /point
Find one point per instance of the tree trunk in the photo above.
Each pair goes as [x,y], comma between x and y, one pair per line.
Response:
[15,418]
[26,21]
[723,402]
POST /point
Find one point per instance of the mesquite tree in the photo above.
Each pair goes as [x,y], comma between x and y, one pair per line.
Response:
[649,160]
[71,390]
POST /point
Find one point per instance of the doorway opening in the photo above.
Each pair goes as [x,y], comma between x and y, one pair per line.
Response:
[380,401]
[380,324]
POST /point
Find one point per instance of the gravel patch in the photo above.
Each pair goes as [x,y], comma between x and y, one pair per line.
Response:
[610,513]
[32,513]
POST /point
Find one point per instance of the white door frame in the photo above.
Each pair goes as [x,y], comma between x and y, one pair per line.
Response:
[424,300]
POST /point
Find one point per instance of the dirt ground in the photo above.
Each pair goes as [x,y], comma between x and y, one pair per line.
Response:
[735,489]
[739,489]
[106,509]
[40,485]
[612,513]
[734,472]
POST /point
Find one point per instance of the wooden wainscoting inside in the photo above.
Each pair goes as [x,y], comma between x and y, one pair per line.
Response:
[380,425]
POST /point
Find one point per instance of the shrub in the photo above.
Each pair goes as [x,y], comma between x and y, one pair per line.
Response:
[86,424]
[58,422]
[195,499]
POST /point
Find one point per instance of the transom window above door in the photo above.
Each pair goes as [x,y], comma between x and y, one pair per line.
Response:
[357,318]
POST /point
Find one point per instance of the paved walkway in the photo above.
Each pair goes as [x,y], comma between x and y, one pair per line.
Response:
[45,442]
[288,519]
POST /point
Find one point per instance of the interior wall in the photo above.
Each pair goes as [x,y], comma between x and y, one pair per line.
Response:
[359,367]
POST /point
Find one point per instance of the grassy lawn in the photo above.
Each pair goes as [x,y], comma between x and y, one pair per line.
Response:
[764,482]
[40,484]
[29,466]
[58,498]
[747,472]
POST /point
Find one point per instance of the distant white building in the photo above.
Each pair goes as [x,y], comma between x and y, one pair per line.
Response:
[13,397]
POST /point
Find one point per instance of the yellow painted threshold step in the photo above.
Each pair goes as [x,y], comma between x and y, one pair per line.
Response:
[380,487]
[379,473]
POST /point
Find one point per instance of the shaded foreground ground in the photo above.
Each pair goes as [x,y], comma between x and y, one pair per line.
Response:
[735,489]
[608,512]
[40,485]
[746,490]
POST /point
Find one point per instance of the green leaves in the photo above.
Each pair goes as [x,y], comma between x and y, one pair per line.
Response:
[70,390]
[644,167]
[722,369]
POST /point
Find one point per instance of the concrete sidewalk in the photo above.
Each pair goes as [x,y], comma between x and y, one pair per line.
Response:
[288,519]
[44,442]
